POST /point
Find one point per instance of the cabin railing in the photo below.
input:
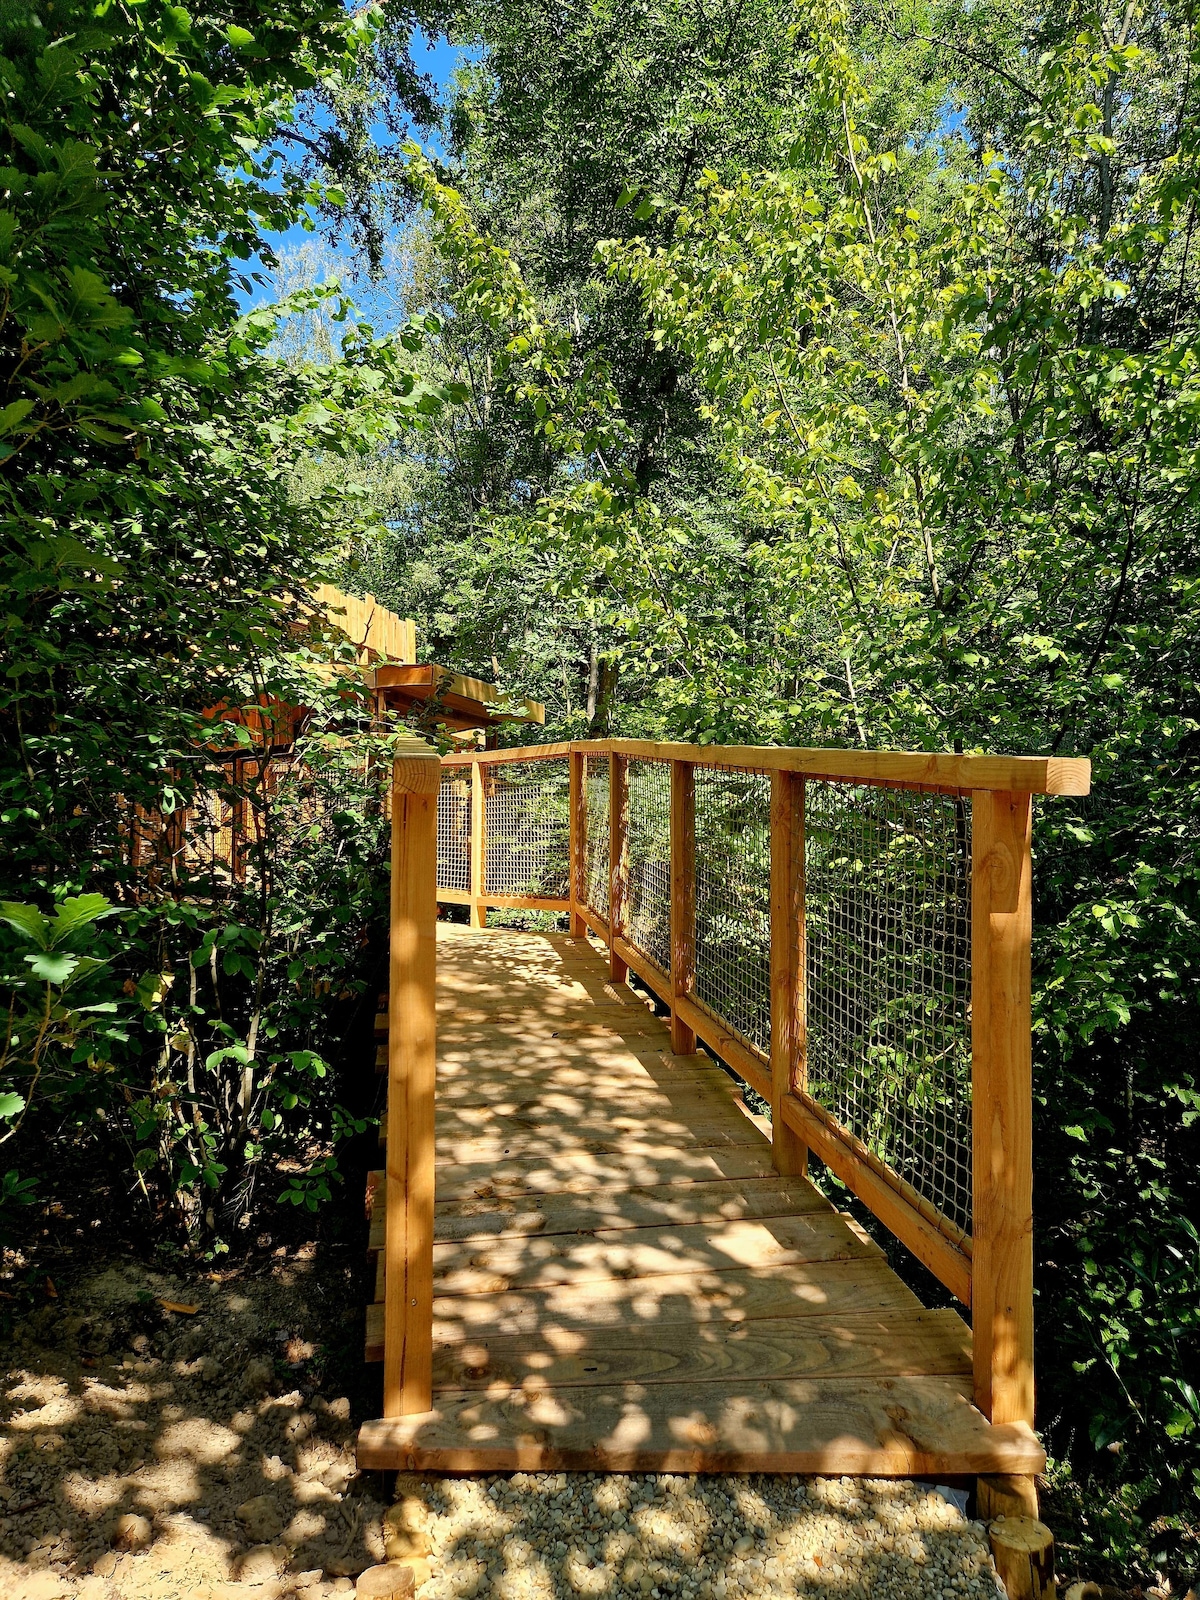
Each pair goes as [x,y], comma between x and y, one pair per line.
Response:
[848,930]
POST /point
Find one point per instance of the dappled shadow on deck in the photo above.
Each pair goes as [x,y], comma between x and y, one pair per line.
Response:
[623,1280]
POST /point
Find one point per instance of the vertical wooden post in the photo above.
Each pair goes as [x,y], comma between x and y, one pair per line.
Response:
[683,899]
[478,846]
[1002,1106]
[412,1041]
[578,803]
[788,970]
[618,863]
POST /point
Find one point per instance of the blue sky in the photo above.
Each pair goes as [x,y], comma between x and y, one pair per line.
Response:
[437,57]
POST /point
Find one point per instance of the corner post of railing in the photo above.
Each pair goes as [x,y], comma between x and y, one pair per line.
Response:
[618,861]
[412,1039]
[1001,1106]
[578,815]
[478,916]
[683,900]
[789,1153]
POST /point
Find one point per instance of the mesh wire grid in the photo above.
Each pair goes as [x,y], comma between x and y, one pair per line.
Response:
[888,920]
[596,838]
[528,828]
[648,843]
[733,899]
[454,829]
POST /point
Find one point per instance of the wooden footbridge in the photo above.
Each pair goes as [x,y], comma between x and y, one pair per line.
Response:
[598,1245]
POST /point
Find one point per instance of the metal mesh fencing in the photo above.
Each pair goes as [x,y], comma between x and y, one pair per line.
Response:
[528,828]
[648,842]
[596,837]
[454,829]
[888,920]
[733,899]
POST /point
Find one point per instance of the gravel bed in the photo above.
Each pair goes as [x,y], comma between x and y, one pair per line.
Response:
[558,1536]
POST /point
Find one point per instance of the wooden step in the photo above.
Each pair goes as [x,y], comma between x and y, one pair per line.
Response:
[876,1427]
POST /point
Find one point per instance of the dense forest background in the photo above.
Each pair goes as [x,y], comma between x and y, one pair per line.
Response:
[813,375]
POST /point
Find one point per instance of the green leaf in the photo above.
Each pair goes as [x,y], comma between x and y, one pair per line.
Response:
[27,920]
[11,1105]
[52,967]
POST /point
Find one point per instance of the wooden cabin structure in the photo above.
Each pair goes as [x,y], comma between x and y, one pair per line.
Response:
[595,1250]
[219,833]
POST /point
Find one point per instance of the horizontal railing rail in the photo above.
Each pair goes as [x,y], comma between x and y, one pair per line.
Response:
[848,930]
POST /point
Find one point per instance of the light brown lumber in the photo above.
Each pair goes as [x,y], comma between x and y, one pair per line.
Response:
[1007,1495]
[1002,1105]
[1023,1550]
[788,973]
[944,1258]
[895,1427]
[895,768]
[568,1120]
[930,1343]
[518,1143]
[478,847]
[493,1265]
[590,1172]
[412,1046]
[577,813]
[639,1306]
[683,900]
[696,1299]
[597,923]
[722,1038]
[642,1206]
[491,758]
[618,860]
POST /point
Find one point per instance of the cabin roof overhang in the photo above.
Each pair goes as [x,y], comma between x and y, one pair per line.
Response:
[459,702]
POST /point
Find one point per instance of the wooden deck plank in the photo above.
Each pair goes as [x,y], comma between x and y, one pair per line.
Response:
[930,1344]
[491,1265]
[649,1206]
[892,1427]
[696,1300]
[594,1171]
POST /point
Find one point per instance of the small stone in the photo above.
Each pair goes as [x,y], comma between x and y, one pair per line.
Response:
[210,1370]
[260,1518]
[261,1563]
[382,1582]
[131,1532]
[257,1377]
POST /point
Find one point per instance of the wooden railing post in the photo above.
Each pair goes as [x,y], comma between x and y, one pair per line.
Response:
[1002,1106]
[683,900]
[412,1040]
[578,805]
[478,846]
[789,976]
[618,863]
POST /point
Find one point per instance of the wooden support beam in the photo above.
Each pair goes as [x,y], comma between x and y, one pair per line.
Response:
[1002,1105]
[578,816]
[618,861]
[412,1046]
[478,846]
[788,976]
[683,901]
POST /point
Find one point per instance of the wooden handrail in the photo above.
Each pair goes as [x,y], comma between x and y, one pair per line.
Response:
[893,768]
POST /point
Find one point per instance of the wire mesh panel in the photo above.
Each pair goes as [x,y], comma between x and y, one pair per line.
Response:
[648,844]
[888,919]
[454,829]
[733,899]
[528,829]
[596,838]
